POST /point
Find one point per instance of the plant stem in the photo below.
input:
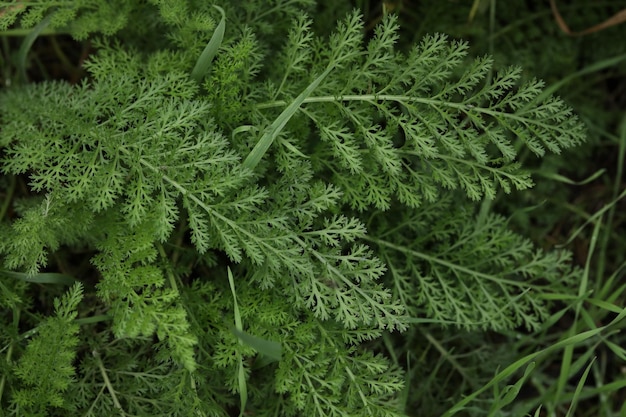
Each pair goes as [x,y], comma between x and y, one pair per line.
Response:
[108,384]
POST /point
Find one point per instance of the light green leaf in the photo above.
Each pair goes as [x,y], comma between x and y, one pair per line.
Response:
[40,278]
[204,61]
[265,347]
[277,126]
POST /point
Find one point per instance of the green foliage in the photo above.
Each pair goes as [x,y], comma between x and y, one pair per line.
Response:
[391,124]
[86,16]
[469,270]
[335,175]
[45,369]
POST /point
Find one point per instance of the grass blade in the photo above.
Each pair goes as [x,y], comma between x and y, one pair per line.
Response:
[515,366]
[277,126]
[28,42]
[241,375]
[265,347]
[206,57]
[41,278]
[579,387]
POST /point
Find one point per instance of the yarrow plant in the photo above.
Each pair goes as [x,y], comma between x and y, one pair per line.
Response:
[254,220]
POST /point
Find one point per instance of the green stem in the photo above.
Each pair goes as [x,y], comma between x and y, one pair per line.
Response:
[107,383]
[170,274]
[402,99]
[449,265]
[373,98]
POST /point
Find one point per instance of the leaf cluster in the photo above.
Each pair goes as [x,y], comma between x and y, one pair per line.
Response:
[355,219]
[387,124]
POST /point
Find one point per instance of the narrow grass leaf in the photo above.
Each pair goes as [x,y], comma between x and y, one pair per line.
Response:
[27,43]
[512,391]
[206,57]
[564,373]
[241,129]
[243,388]
[277,126]
[619,351]
[605,305]
[41,278]
[608,292]
[561,178]
[231,281]
[241,375]
[592,218]
[515,366]
[265,347]
[579,387]
[567,370]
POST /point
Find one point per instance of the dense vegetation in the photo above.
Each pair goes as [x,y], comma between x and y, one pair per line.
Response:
[311,208]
